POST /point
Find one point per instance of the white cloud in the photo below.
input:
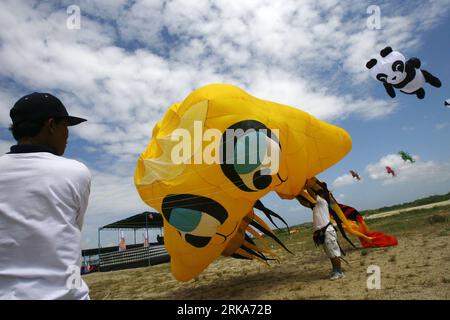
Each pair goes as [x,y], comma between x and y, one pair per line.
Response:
[442,125]
[407,172]
[102,9]
[345,180]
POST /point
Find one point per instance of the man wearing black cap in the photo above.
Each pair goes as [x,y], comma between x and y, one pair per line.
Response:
[43,199]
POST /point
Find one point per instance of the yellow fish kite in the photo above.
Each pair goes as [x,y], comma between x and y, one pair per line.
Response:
[213,156]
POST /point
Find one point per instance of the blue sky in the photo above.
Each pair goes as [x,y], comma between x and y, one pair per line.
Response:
[131,60]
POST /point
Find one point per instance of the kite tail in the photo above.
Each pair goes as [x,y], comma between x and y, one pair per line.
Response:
[269,213]
[249,250]
[341,229]
[264,228]
[256,234]
[244,247]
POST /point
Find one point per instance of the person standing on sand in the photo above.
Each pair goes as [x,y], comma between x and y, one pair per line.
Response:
[324,232]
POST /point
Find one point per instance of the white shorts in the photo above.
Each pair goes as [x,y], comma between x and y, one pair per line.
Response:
[330,245]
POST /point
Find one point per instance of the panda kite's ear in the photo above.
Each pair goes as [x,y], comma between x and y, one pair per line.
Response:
[385,51]
[371,63]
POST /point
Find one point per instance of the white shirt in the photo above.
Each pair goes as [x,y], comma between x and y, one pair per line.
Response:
[43,199]
[321,216]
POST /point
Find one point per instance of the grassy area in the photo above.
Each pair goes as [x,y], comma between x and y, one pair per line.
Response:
[414,219]
[411,220]
[415,203]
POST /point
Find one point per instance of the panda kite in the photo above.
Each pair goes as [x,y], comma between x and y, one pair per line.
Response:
[394,71]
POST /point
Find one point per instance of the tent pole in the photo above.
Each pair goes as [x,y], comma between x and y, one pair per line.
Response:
[146,226]
[99,245]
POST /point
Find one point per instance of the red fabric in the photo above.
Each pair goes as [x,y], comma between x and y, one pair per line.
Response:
[347,210]
[380,240]
[359,218]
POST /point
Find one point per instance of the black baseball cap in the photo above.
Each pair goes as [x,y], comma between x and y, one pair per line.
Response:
[40,106]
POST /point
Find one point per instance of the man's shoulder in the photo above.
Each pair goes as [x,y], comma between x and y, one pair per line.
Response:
[75,165]
[49,165]
[70,167]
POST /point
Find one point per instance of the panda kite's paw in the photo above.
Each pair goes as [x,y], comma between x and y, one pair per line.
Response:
[435,82]
[389,89]
[415,62]
[438,83]
[420,94]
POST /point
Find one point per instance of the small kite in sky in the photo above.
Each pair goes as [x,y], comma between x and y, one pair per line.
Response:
[355,175]
[406,156]
[390,171]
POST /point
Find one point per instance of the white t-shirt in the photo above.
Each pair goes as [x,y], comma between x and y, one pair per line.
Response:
[43,199]
[320,214]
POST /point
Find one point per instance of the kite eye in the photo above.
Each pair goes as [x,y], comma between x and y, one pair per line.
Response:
[261,181]
[184,219]
[254,154]
[249,152]
[196,218]
[397,66]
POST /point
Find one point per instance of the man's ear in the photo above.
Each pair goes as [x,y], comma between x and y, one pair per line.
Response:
[51,123]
